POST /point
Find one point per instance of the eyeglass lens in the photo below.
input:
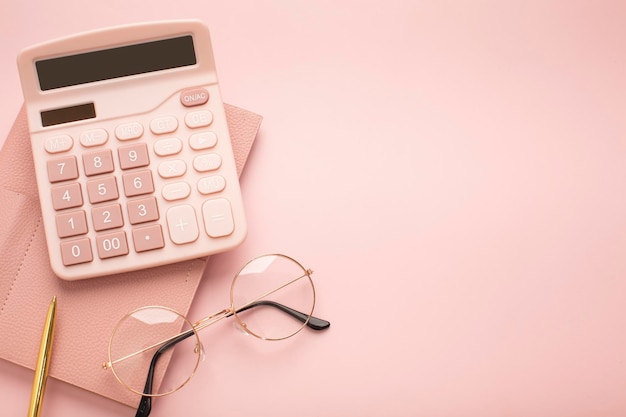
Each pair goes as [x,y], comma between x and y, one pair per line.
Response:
[153,334]
[266,283]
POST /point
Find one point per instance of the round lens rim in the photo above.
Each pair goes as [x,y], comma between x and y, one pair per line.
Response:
[306,272]
[191,327]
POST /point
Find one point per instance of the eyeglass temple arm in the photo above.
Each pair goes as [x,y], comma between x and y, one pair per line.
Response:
[313,323]
[145,405]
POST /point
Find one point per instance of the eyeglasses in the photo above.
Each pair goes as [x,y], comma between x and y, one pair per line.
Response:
[272,298]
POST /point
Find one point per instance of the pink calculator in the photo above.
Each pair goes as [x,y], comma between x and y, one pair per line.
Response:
[132,153]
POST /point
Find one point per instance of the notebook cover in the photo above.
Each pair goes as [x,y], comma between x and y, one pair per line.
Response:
[87,310]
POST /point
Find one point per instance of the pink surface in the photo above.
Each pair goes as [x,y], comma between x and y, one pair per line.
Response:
[455,174]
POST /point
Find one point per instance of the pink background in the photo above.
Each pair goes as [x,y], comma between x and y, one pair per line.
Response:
[453,171]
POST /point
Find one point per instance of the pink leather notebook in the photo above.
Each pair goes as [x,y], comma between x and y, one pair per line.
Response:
[88,309]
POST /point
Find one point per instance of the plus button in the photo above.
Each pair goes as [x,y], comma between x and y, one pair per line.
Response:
[182,224]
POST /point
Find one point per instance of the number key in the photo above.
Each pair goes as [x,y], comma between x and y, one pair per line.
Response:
[102,189]
[76,252]
[112,245]
[62,169]
[133,156]
[71,224]
[98,162]
[138,183]
[107,217]
[67,196]
[143,210]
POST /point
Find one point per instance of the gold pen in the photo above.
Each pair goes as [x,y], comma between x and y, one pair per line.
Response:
[43,362]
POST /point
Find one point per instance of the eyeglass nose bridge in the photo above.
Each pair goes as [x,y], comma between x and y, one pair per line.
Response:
[213,318]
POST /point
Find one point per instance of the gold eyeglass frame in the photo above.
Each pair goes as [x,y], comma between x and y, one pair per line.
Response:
[208,321]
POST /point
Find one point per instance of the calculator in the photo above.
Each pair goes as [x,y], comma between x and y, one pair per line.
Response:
[132,153]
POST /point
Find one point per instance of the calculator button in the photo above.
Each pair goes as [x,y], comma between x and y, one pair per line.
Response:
[76,252]
[98,162]
[148,238]
[182,224]
[62,169]
[128,131]
[107,217]
[112,245]
[176,191]
[58,144]
[172,169]
[204,140]
[66,196]
[170,146]
[71,224]
[194,97]
[212,184]
[138,183]
[133,156]
[218,217]
[144,210]
[102,189]
[161,125]
[93,137]
[200,118]
[207,162]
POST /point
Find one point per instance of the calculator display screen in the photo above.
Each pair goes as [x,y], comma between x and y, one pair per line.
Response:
[68,114]
[115,62]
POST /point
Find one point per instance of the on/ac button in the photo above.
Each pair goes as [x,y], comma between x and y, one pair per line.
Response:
[194,97]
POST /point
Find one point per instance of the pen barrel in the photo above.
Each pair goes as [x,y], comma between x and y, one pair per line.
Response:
[43,362]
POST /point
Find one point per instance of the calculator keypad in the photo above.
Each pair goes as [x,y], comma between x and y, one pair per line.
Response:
[125,189]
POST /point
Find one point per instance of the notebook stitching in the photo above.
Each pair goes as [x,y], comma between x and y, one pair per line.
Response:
[188,272]
[19,268]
